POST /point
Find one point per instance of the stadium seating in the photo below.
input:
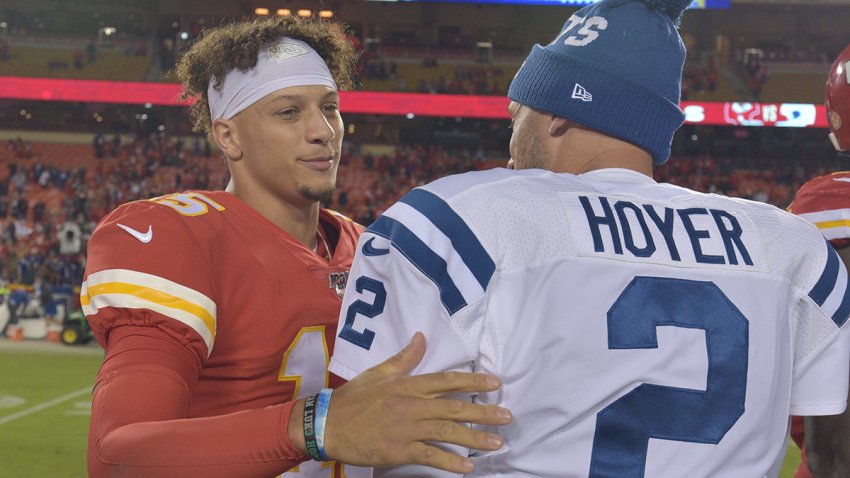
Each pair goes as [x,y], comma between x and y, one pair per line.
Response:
[794,87]
[57,62]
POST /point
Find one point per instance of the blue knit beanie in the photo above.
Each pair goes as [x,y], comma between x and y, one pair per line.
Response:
[616,67]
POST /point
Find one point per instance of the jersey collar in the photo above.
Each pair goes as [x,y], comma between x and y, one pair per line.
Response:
[619,175]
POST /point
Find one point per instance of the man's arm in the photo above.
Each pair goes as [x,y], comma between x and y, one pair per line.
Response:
[381,418]
[827,438]
[139,425]
[827,444]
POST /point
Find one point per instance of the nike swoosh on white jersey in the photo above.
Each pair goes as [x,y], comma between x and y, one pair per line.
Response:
[143,237]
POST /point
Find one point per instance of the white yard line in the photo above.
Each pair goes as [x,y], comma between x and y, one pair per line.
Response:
[40,407]
[28,345]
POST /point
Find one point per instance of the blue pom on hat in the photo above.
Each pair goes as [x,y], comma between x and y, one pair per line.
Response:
[673,8]
[616,67]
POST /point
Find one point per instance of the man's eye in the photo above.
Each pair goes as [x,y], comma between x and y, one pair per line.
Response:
[331,107]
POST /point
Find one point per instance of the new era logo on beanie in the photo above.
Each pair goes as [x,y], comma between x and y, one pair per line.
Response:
[629,54]
[579,93]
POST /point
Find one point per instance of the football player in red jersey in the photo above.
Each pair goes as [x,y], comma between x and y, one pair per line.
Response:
[217,309]
[825,201]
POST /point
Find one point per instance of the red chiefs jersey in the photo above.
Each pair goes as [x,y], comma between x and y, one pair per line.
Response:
[256,307]
[825,202]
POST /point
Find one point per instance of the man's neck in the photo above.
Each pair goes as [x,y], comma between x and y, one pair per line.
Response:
[298,220]
[586,151]
[638,164]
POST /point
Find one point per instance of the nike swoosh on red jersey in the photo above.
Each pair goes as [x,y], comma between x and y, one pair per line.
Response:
[142,237]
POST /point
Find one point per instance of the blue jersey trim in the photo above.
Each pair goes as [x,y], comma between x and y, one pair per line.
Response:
[463,240]
[827,280]
[843,311]
[421,256]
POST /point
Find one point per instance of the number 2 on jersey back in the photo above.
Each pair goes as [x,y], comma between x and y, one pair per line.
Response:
[624,427]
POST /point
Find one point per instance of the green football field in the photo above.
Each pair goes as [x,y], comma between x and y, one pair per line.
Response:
[45,401]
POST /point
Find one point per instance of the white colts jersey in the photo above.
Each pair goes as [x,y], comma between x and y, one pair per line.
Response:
[639,329]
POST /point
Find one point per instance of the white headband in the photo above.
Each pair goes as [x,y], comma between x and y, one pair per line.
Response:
[289,62]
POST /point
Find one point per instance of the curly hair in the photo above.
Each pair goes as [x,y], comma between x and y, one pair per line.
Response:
[223,49]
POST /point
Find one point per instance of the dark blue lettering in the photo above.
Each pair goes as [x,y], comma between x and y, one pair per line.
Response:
[595,222]
[628,238]
[731,237]
[695,235]
[666,228]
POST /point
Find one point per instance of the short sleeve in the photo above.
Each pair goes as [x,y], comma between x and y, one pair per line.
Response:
[820,386]
[418,267]
[387,300]
[146,268]
[822,341]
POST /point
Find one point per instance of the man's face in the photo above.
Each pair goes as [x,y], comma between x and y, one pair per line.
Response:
[291,142]
[528,146]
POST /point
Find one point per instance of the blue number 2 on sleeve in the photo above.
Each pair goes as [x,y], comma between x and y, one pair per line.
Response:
[364,339]
[624,427]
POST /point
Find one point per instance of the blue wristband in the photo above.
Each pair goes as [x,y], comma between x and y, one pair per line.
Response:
[323,402]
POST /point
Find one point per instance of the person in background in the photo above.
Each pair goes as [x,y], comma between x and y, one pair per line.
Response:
[5,308]
[43,287]
[825,202]
[17,302]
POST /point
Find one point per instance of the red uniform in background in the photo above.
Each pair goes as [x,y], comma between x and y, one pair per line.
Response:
[199,296]
[825,202]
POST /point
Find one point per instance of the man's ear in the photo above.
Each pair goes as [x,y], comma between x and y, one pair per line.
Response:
[226,135]
[558,126]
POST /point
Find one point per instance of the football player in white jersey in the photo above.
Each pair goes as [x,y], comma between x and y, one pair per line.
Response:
[639,329]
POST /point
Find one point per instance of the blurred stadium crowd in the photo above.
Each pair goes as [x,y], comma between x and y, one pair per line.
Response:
[52,196]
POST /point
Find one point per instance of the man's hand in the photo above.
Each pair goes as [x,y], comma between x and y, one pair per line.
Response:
[383,417]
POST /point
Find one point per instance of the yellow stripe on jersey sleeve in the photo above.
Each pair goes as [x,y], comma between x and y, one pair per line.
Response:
[155,296]
[833,224]
[128,289]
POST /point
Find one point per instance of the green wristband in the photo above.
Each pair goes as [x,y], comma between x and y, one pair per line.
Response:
[310,427]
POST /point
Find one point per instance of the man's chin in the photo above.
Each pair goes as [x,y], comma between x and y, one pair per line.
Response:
[325,194]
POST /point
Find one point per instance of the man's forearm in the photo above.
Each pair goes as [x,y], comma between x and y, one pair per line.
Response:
[827,443]
[245,444]
[139,424]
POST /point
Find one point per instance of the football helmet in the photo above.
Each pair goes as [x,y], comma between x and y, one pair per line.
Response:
[837,100]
